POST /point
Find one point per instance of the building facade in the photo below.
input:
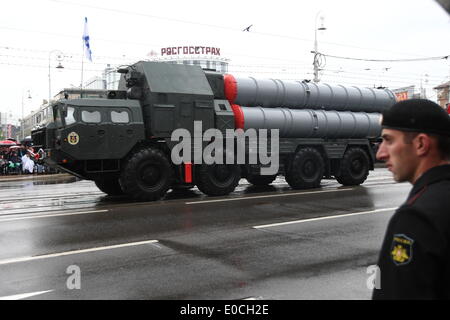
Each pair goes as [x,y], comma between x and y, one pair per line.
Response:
[8,127]
[409,92]
[443,94]
[205,57]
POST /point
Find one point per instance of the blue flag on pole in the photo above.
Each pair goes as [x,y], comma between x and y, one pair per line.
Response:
[87,47]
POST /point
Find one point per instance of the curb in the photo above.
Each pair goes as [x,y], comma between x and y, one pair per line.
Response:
[34,177]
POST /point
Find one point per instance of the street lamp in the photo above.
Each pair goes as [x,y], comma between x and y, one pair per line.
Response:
[316,55]
[22,125]
[59,58]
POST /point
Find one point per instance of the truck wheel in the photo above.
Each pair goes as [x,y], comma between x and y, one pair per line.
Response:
[147,175]
[217,179]
[306,169]
[354,167]
[110,186]
[260,180]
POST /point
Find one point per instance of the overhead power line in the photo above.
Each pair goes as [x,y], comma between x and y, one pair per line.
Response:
[255,69]
[386,60]
[288,65]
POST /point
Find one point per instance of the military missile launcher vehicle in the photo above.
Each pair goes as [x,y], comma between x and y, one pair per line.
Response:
[126,143]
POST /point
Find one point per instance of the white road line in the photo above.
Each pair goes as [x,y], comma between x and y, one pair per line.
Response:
[252,298]
[380,178]
[51,215]
[52,197]
[24,295]
[67,253]
[322,218]
[269,196]
[390,185]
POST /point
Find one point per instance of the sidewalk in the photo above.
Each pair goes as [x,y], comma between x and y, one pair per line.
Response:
[6,178]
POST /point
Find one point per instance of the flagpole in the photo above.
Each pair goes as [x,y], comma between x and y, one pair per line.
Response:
[82,70]
[87,51]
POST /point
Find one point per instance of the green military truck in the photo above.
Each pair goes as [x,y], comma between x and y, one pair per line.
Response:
[125,142]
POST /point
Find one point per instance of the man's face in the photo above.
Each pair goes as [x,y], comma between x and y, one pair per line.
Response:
[400,157]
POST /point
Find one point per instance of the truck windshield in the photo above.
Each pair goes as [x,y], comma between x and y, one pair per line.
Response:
[64,117]
[58,118]
[70,117]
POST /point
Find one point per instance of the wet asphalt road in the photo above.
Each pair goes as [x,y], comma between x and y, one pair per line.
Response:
[257,242]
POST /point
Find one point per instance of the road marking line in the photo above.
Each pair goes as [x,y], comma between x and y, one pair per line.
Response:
[52,197]
[389,184]
[24,295]
[25,211]
[380,178]
[252,298]
[52,215]
[322,218]
[269,196]
[67,253]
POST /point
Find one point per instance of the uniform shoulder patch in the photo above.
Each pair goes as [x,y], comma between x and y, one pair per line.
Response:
[401,249]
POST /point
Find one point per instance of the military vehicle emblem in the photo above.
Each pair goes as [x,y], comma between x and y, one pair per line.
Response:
[73,138]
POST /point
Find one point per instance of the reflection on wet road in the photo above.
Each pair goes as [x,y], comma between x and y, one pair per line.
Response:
[71,193]
[271,242]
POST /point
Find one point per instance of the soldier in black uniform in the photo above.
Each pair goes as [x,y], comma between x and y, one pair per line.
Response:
[414,261]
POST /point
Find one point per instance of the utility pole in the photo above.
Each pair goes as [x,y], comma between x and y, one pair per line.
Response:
[316,55]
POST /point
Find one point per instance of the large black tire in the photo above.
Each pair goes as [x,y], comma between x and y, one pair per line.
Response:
[110,186]
[260,180]
[147,175]
[217,179]
[306,169]
[354,167]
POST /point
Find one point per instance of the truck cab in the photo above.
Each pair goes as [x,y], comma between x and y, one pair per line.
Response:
[89,137]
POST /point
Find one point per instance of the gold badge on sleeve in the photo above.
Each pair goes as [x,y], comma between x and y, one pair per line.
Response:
[401,249]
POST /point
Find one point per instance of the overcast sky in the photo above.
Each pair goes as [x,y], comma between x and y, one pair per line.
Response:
[278,45]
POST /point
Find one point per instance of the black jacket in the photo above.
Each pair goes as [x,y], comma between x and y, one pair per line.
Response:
[414,260]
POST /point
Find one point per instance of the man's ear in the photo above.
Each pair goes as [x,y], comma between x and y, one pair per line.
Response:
[422,144]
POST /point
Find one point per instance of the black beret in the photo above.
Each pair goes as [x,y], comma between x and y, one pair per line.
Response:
[418,115]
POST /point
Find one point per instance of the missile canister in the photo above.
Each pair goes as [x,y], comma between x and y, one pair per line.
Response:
[307,123]
[251,92]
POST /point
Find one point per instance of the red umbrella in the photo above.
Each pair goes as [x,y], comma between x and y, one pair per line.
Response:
[7,143]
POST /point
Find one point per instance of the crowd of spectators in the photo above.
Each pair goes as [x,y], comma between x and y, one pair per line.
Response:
[21,159]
